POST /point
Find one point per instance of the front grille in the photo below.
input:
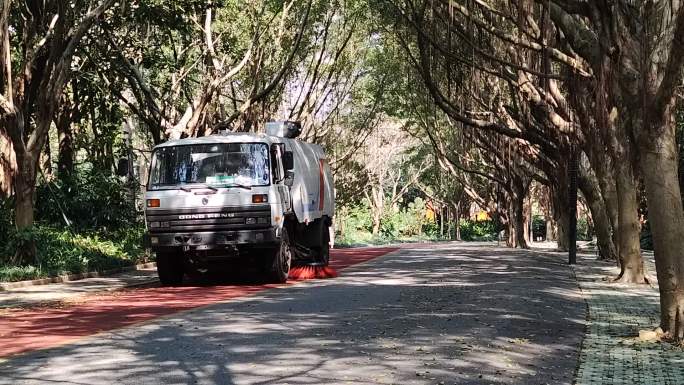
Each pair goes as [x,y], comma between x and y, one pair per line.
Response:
[208,219]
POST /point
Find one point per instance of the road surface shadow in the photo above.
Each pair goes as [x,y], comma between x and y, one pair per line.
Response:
[453,314]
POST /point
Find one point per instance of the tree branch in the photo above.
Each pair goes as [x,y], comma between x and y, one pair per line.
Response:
[673,70]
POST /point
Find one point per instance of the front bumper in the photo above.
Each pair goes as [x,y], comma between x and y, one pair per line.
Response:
[212,240]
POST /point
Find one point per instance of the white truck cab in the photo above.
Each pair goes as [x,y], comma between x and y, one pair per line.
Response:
[264,199]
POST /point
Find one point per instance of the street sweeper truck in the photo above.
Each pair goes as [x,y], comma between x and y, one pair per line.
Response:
[239,201]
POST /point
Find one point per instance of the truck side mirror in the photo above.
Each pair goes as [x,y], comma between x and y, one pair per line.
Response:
[122,167]
[289,178]
[288,161]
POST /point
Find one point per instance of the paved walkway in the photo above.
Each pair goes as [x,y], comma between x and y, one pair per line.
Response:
[611,352]
[437,314]
[70,291]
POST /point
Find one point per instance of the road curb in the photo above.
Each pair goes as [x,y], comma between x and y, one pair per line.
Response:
[4,286]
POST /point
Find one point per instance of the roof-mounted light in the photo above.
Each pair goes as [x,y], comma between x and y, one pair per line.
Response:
[284,129]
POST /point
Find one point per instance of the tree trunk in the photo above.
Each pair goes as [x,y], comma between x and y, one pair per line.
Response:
[25,186]
[601,164]
[591,191]
[562,218]
[561,215]
[560,199]
[46,161]
[441,221]
[658,161]
[520,224]
[377,206]
[8,166]
[550,234]
[376,222]
[509,234]
[518,195]
[65,160]
[528,221]
[631,263]
[458,222]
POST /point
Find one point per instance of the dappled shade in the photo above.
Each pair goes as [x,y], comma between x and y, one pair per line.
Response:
[451,313]
[25,330]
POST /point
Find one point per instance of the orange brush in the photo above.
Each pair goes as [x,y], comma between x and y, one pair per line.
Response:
[312,271]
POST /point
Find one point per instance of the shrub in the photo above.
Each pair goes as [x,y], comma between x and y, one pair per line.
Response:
[91,200]
[583,229]
[432,229]
[646,238]
[106,230]
[405,223]
[359,218]
[6,222]
[61,252]
[539,227]
[477,231]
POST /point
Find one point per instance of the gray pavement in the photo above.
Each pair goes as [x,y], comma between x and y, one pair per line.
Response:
[447,313]
[68,291]
[611,352]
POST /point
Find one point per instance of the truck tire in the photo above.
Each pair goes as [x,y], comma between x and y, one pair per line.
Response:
[282,259]
[170,268]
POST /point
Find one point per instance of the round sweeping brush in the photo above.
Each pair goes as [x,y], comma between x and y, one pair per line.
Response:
[312,271]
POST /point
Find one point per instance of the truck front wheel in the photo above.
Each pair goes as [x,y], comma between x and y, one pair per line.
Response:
[282,259]
[170,268]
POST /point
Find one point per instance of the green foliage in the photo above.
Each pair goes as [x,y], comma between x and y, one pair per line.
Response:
[358,218]
[91,200]
[404,224]
[584,232]
[106,232]
[431,229]
[646,238]
[477,231]
[539,226]
[6,223]
[62,252]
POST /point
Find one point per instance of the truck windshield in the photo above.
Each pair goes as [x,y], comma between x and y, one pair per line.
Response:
[220,164]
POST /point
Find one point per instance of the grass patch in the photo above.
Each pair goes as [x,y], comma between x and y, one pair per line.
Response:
[61,252]
[363,239]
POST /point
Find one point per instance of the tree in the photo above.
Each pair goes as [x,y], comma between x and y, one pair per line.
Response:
[514,48]
[36,53]
[388,170]
[634,49]
[624,55]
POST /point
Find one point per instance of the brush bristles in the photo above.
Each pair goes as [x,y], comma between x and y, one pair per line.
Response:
[312,272]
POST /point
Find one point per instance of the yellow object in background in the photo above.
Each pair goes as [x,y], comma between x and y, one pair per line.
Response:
[430,214]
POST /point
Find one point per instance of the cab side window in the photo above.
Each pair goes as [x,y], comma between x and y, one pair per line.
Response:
[277,162]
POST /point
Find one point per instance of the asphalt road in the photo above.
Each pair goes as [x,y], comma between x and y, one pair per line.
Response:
[448,313]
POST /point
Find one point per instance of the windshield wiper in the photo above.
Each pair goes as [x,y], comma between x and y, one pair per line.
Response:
[189,189]
[244,186]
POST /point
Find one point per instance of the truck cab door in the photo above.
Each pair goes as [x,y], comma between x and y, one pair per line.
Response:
[277,152]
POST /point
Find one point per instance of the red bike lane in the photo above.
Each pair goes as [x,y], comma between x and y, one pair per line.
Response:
[33,329]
